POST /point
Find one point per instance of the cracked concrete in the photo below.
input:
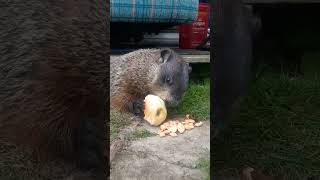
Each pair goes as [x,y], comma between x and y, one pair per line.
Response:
[163,158]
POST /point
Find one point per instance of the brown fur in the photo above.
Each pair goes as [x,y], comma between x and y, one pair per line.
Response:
[53,73]
[139,73]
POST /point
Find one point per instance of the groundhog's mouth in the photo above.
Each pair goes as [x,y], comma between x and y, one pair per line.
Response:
[170,101]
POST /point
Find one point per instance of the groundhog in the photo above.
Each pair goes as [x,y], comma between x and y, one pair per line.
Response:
[160,72]
[54,59]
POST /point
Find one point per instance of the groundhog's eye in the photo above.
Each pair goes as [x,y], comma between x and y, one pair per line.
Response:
[169,80]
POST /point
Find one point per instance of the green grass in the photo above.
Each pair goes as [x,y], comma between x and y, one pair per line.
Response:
[278,129]
[204,165]
[117,122]
[140,134]
[310,65]
[196,101]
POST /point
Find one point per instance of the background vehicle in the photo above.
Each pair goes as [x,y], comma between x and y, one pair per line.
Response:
[131,20]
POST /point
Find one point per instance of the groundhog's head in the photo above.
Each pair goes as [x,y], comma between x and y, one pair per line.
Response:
[171,80]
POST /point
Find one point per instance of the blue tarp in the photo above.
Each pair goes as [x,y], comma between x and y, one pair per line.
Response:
[154,11]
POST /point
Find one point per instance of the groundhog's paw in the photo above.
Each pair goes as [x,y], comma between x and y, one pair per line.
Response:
[137,108]
[89,148]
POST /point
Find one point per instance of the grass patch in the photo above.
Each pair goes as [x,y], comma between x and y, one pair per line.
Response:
[117,122]
[204,165]
[140,134]
[278,129]
[196,101]
[310,65]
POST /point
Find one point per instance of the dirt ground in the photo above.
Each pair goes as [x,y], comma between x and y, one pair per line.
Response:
[164,158]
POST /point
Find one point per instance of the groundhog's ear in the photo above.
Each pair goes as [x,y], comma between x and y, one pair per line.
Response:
[165,55]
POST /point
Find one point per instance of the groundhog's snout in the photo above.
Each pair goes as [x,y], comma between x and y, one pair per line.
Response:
[168,97]
[176,95]
[173,100]
[172,103]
